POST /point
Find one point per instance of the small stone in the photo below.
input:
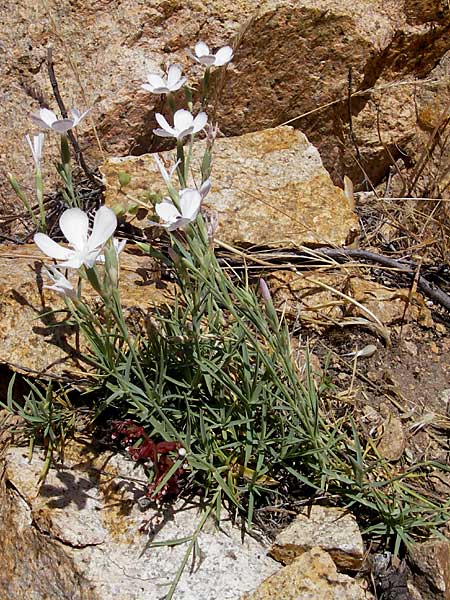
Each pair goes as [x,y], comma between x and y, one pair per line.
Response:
[393,441]
[434,348]
[373,376]
[410,347]
[440,328]
[311,576]
[332,529]
[430,563]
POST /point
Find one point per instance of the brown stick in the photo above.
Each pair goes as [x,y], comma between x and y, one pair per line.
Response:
[341,254]
[62,108]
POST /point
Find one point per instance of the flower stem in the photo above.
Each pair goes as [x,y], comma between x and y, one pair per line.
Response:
[40,198]
[181,171]
[205,86]
[66,171]
[171,103]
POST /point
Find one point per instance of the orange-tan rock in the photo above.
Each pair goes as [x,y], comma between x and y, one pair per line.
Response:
[292,61]
[331,529]
[311,575]
[268,187]
[33,339]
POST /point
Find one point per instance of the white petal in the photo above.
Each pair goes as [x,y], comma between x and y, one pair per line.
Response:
[47,115]
[61,285]
[39,122]
[50,247]
[63,125]
[92,257]
[205,188]
[184,132]
[39,145]
[200,121]
[190,203]
[173,75]
[223,56]
[77,116]
[167,211]
[182,120]
[62,290]
[178,224]
[176,86]
[208,61]
[161,90]
[162,169]
[156,81]
[201,49]
[164,133]
[119,245]
[105,224]
[162,122]
[36,147]
[75,261]
[74,224]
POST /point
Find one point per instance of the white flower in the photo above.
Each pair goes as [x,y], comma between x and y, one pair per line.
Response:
[48,120]
[203,55]
[36,147]
[74,224]
[172,218]
[61,285]
[183,124]
[161,85]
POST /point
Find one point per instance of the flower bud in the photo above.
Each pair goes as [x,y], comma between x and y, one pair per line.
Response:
[264,289]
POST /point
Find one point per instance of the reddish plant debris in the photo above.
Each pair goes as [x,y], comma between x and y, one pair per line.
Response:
[156,455]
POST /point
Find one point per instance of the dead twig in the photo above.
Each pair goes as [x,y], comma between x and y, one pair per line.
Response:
[62,108]
[408,267]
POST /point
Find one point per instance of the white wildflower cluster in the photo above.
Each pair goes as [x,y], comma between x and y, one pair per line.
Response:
[184,125]
[87,244]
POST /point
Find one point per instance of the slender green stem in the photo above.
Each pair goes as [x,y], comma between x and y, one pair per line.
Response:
[171,103]
[40,199]
[66,172]
[181,171]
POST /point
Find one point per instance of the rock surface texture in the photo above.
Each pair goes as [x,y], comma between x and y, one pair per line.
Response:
[311,576]
[33,339]
[431,564]
[331,529]
[78,537]
[269,188]
[294,61]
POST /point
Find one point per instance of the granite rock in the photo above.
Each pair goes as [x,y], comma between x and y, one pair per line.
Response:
[331,529]
[310,576]
[82,535]
[269,188]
